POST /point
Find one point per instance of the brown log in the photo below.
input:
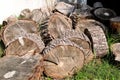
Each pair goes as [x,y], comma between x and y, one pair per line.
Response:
[27,44]
[17,29]
[18,68]
[96,34]
[54,27]
[115,24]
[62,58]
[81,40]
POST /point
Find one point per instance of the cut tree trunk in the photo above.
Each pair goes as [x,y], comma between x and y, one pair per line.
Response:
[115,48]
[29,43]
[62,58]
[115,24]
[96,34]
[82,41]
[54,27]
[18,68]
[17,29]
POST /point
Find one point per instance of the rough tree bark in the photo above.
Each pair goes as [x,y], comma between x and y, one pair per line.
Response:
[115,48]
[96,34]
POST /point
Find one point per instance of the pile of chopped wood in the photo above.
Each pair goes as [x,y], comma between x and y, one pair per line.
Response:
[56,43]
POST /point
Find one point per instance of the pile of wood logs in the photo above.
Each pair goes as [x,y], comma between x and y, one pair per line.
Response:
[58,44]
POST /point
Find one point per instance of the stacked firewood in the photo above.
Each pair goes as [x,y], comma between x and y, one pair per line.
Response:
[57,43]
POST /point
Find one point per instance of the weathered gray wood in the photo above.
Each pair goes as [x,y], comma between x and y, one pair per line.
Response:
[64,8]
[16,68]
[115,48]
[96,34]
[54,27]
[17,29]
[29,43]
[62,58]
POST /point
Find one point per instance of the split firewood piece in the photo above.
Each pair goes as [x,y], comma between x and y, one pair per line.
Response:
[27,44]
[54,27]
[39,15]
[115,48]
[66,8]
[81,40]
[62,58]
[18,68]
[96,34]
[17,29]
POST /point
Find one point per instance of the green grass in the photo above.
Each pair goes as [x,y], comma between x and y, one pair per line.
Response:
[98,71]
[2,47]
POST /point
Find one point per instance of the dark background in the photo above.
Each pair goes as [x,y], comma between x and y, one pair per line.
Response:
[112,4]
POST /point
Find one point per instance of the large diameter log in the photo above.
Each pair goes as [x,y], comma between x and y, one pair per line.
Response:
[115,48]
[29,43]
[62,58]
[66,8]
[96,34]
[17,29]
[54,27]
[81,40]
[16,68]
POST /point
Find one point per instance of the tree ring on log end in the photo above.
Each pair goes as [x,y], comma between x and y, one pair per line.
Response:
[17,29]
[29,43]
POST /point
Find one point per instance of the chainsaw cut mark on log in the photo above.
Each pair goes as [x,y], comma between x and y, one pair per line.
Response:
[96,35]
[18,29]
[61,54]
